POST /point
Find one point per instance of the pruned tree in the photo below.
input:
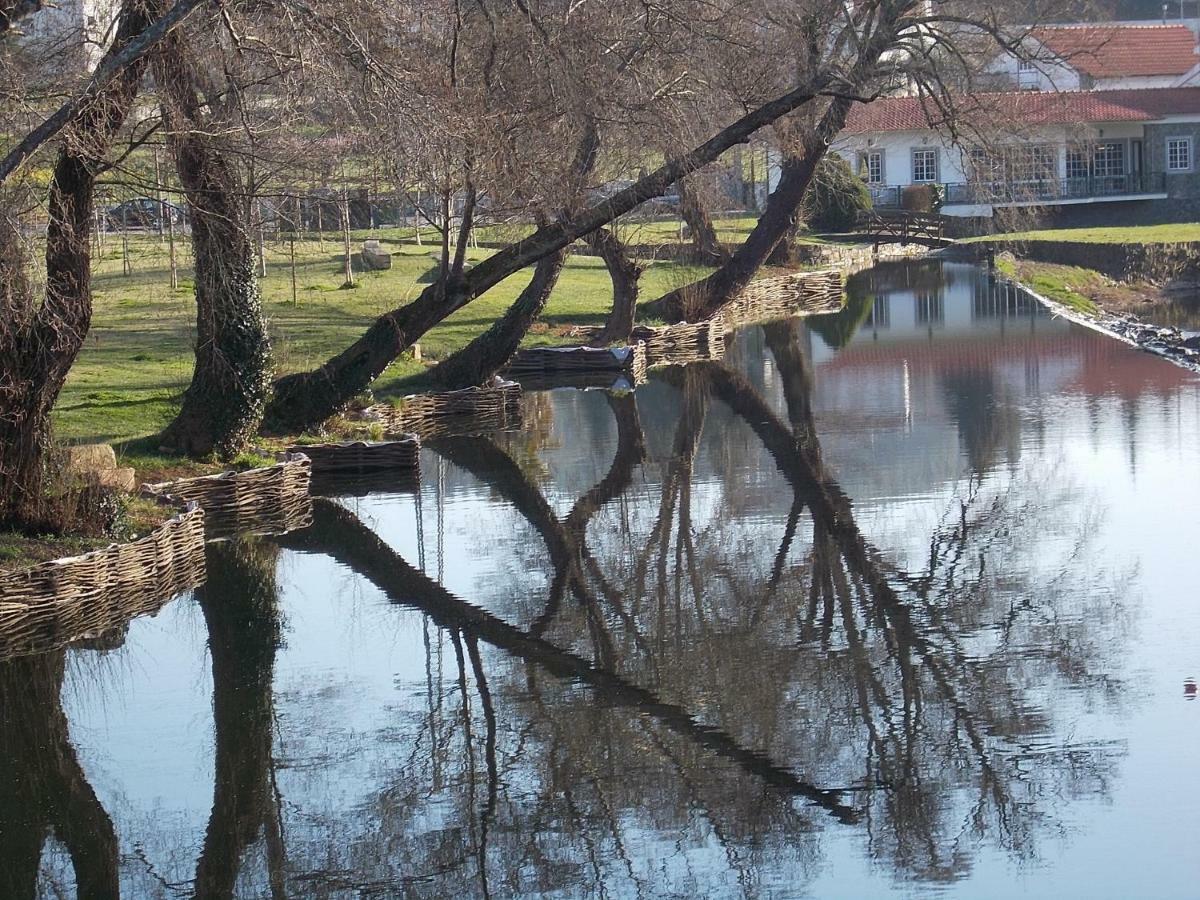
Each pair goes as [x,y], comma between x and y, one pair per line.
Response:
[223,406]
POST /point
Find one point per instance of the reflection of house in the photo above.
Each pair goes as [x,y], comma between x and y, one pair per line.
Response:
[1090,114]
[1059,149]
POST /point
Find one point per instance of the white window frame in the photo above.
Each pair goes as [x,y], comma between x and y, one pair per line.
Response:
[937,164]
[1186,141]
[872,179]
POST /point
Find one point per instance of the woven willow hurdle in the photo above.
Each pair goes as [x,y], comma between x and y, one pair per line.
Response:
[678,345]
[675,345]
[583,381]
[361,457]
[799,294]
[85,597]
[470,411]
[272,500]
[365,484]
[629,361]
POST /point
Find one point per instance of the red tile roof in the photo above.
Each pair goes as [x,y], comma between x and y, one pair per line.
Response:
[1122,51]
[1026,108]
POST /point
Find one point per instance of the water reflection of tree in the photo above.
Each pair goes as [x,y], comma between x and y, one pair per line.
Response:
[904,696]
[43,789]
[727,685]
[240,607]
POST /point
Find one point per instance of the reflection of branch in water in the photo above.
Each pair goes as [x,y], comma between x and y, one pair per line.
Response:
[566,541]
[857,600]
[338,534]
[240,607]
[676,496]
[43,787]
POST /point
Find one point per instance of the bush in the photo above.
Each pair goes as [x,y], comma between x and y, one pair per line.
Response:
[836,197]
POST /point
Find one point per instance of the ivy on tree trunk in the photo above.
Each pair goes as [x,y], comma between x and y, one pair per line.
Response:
[223,407]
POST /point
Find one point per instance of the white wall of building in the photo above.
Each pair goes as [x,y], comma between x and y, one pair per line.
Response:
[1046,74]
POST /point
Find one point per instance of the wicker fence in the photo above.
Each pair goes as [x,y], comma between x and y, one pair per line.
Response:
[678,345]
[272,500]
[85,597]
[475,410]
[361,457]
[802,293]
[567,361]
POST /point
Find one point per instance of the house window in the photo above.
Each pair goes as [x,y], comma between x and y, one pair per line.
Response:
[924,166]
[873,167]
[1078,164]
[1026,65]
[1109,160]
[1179,154]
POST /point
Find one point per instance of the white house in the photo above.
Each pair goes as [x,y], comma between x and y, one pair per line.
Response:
[1041,149]
[1107,56]
[1098,113]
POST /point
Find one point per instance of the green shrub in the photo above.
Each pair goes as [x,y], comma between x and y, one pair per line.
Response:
[836,197]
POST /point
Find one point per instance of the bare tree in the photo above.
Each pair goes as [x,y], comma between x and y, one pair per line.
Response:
[39,342]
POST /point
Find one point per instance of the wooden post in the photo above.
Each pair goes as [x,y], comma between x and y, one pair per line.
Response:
[292,251]
[171,249]
[262,250]
[346,235]
[126,265]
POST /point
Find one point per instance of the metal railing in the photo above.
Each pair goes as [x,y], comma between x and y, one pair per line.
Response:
[1048,190]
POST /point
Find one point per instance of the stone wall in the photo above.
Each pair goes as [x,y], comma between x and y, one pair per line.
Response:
[1180,186]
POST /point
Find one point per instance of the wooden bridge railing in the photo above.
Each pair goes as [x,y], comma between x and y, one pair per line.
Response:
[903,226]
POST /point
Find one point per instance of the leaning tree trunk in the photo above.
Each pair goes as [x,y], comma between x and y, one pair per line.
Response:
[223,407]
[703,299]
[786,252]
[490,352]
[38,345]
[708,249]
[625,273]
[308,398]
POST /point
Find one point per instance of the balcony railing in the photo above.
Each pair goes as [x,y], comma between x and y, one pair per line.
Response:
[1049,190]
[999,193]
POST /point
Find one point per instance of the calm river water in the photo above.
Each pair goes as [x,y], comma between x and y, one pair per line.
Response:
[900,602]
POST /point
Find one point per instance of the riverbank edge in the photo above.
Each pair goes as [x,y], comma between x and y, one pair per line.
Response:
[1166,343]
[153,467]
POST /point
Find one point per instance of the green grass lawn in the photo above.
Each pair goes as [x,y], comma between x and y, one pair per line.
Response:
[139,354]
[1145,234]
[1068,285]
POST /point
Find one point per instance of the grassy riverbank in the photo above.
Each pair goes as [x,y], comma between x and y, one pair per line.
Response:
[1070,286]
[1143,234]
[138,357]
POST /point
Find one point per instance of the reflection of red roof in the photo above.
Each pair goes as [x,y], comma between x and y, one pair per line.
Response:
[1102,366]
[1027,108]
[1122,51]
